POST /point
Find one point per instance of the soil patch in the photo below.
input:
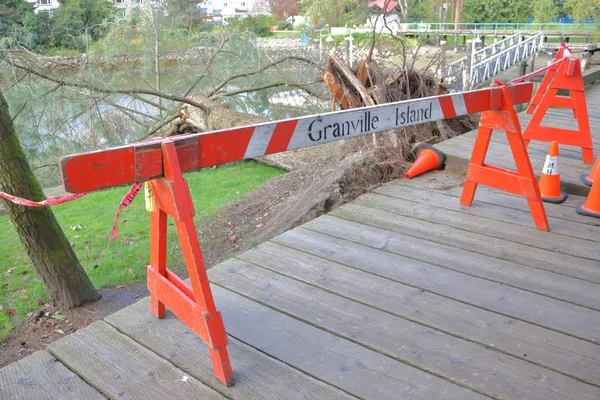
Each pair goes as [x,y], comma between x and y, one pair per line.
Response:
[48,325]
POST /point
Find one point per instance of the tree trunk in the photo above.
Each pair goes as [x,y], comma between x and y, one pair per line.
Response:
[458,12]
[47,246]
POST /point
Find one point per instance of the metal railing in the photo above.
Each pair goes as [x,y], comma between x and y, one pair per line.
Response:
[580,29]
[480,65]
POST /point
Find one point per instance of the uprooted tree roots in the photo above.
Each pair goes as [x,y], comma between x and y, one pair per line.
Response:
[326,176]
[368,84]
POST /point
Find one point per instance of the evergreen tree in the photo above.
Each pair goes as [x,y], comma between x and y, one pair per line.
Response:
[76,22]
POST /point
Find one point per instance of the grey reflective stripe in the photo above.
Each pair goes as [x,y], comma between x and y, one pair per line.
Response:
[260,140]
[459,104]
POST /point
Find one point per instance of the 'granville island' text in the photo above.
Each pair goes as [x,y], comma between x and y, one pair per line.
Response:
[319,129]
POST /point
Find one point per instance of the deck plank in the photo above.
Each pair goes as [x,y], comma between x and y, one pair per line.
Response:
[518,217]
[568,318]
[122,368]
[41,377]
[547,348]
[472,242]
[534,280]
[530,236]
[257,376]
[355,369]
[452,185]
[498,375]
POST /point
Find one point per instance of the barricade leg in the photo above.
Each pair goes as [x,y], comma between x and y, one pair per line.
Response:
[522,181]
[158,254]
[193,303]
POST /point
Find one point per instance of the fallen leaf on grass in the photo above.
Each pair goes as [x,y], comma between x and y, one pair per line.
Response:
[1,308]
[11,311]
[24,297]
[7,273]
[43,303]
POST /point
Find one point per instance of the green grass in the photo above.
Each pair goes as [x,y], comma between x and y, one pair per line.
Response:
[124,261]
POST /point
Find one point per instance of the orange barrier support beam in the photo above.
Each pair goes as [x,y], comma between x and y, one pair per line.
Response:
[569,77]
[545,82]
[194,304]
[521,182]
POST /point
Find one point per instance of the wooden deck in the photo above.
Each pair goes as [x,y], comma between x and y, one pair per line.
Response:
[401,294]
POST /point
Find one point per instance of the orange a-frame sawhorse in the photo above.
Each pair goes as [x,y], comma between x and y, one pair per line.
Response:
[193,303]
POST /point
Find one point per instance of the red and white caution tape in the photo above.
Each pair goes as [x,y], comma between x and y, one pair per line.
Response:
[125,202]
[48,202]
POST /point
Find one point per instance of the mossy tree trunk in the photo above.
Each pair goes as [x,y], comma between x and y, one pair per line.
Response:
[47,246]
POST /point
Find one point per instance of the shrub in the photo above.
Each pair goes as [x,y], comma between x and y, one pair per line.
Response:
[259,25]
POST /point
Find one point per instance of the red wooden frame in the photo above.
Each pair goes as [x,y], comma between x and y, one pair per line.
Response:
[194,303]
[568,76]
[522,181]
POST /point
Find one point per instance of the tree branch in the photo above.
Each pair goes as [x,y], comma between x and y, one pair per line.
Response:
[262,69]
[127,110]
[208,65]
[99,89]
[301,86]
[162,123]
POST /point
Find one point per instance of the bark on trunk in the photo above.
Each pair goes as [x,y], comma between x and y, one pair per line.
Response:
[47,246]
[458,12]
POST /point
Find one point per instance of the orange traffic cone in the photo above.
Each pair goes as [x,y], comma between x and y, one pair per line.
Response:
[428,158]
[591,207]
[550,179]
[594,174]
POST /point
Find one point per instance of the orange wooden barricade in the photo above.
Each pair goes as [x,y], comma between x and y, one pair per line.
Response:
[193,304]
[568,77]
[522,181]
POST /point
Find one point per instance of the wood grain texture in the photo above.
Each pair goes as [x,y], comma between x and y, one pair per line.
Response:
[473,242]
[40,377]
[356,369]
[492,269]
[257,376]
[123,369]
[451,185]
[554,314]
[530,236]
[517,217]
[498,375]
[548,348]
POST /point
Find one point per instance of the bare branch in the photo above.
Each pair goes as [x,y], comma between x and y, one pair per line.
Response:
[140,98]
[127,110]
[302,86]
[99,89]
[162,123]
[20,110]
[44,166]
[262,69]
[208,65]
